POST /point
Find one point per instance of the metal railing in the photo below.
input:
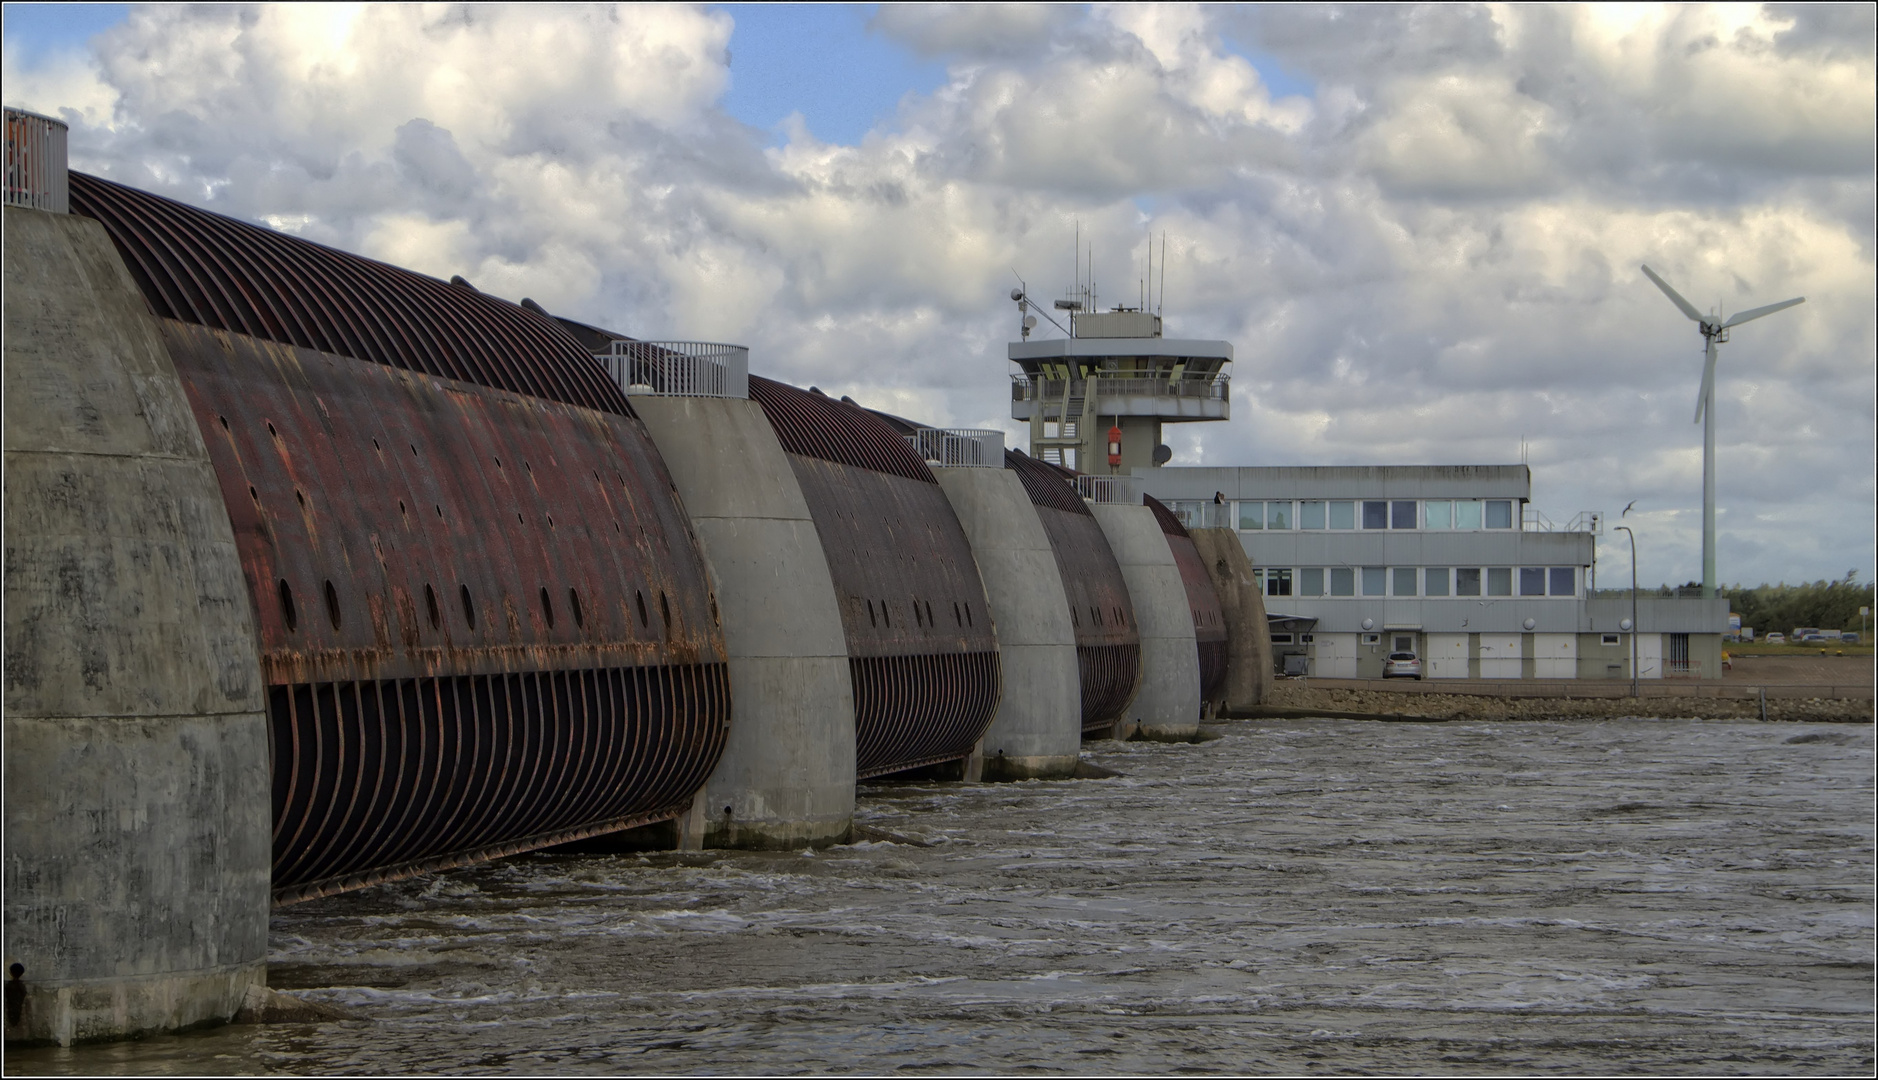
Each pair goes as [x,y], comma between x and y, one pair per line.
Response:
[679,368]
[1204,515]
[36,170]
[1108,489]
[1586,521]
[974,448]
[1202,387]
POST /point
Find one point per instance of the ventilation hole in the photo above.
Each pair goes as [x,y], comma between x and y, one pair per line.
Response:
[886,614]
[402,512]
[929,621]
[302,498]
[224,421]
[413,449]
[573,605]
[616,527]
[377,447]
[253,494]
[439,509]
[271,431]
[550,521]
[916,614]
[518,520]
[530,468]
[871,621]
[957,617]
[469,606]
[332,604]
[715,621]
[547,606]
[286,606]
[430,607]
[665,612]
[498,463]
[968,613]
[640,599]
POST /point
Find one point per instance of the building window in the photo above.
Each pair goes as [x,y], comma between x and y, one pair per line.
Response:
[1404,583]
[1306,639]
[1435,581]
[1372,639]
[1564,581]
[1532,581]
[1281,639]
[1402,514]
[1375,581]
[1277,583]
[1499,514]
[1611,639]
[1251,515]
[1375,514]
[1342,581]
[1278,515]
[1467,515]
[1438,514]
[1467,581]
[1311,515]
[1404,642]
[1499,581]
[1311,581]
[1343,515]
[1189,513]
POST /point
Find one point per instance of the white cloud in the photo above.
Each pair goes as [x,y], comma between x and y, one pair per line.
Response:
[1431,260]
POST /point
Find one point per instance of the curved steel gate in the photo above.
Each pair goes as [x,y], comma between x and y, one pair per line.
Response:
[1209,619]
[921,648]
[485,624]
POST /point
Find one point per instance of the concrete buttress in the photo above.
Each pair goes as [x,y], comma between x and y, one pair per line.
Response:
[787,775]
[1037,732]
[137,811]
[1168,703]
[1248,635]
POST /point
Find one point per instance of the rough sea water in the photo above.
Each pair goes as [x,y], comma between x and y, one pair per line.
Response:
[1643,896]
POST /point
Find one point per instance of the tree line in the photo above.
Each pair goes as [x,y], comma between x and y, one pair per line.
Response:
[1827,605]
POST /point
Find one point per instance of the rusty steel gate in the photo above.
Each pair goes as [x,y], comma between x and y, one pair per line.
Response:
[485,624]
[1108,643]
[1209,619]
[921,648]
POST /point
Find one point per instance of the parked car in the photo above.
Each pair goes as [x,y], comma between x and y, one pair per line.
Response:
[1776,638]
[1402,665]
[1850,637]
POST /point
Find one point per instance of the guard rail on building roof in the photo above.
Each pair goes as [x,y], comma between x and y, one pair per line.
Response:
[1108,489]
[678,368]
[975,448]
[36,171]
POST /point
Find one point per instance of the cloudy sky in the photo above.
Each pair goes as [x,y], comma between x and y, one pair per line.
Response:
[1419,227]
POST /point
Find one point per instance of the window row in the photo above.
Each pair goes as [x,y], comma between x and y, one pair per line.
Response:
[1457,515]
[1421,581]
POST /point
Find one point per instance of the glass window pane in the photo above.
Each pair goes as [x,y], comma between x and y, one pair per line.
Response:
[1532,581]
[1404,584]
[1251,515]
[1564,581]
[1376,514]
[1467,581]
[1435,579]
[1311,515]
[1499,514]
[1402,514]
[1277,583]
[1278,515]
[1311,581]
[1499,581]
[1342,581]
[1467,514]
[1438,514]
[1375,581]
[1343,515]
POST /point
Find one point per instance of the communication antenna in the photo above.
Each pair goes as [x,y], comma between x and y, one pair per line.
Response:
[1714,332]
[1157,307]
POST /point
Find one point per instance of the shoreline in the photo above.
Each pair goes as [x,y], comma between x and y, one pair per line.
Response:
[1298,700]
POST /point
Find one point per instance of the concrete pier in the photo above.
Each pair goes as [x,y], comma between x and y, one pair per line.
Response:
[1248,634]
[1168,703]
[787,775]
[1037,732]
[137,786]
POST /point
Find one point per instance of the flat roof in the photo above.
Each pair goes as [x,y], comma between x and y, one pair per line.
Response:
[1172,348]
[1338,481]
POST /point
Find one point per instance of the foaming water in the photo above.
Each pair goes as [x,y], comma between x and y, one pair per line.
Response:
[1625,896]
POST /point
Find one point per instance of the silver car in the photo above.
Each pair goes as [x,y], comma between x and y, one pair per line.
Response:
[1402,665]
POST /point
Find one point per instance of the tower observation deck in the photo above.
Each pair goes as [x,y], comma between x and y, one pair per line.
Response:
[1113,370]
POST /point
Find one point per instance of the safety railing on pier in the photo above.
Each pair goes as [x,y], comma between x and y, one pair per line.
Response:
[974,448]
[36,171]
[679,368]
[1108,489]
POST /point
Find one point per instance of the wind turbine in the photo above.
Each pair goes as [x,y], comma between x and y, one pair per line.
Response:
[1714,332]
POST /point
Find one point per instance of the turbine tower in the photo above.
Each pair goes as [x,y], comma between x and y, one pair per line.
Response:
[1714,332]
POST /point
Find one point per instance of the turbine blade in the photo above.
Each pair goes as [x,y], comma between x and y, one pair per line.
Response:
[1708,386]
[1687,308]
[1755,313]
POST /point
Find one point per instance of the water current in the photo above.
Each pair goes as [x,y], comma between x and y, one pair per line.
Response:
[1645,896]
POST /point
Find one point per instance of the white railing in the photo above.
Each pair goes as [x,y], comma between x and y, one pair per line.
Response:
[679,368]
[1586,521]
[975,448]
[1206,387]
[36,171]
[1108,489]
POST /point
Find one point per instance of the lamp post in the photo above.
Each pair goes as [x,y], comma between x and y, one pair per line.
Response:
[1625,529]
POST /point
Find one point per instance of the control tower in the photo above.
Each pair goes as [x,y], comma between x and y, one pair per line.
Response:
[1096,398]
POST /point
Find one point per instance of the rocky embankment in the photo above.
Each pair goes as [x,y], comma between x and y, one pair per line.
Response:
[1299,699]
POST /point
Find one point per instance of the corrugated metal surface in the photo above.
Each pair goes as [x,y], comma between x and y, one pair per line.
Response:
[484,621]
[923,653]
[214,271]
[1209,619]
[1108,643]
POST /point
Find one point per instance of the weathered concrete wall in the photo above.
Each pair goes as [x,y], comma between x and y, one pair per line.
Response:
[1248,636]
[1037,731]
[787,775]
[1168,704]
[137,788]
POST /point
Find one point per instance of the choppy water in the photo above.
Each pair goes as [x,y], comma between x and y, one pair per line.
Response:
[1645,896]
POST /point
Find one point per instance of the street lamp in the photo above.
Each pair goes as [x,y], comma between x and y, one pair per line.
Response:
[1625,529]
